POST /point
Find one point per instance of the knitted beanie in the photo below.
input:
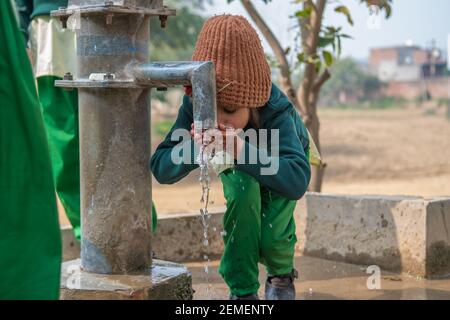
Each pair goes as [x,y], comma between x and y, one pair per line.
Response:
[242,72]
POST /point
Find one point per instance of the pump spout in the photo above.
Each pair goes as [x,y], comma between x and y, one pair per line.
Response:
[200,75]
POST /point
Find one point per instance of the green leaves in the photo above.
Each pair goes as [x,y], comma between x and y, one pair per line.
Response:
[328,58]
[305,13]
[331,36]
[344,10]
[381,5]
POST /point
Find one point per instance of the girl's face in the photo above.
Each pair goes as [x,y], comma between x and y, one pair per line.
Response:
[237,118]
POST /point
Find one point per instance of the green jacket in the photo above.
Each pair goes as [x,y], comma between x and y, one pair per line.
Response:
[293,176]
[28,9]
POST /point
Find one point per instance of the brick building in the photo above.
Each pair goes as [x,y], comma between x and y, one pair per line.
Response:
[410,71]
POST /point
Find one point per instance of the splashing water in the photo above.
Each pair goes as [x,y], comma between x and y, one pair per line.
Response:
[203,162]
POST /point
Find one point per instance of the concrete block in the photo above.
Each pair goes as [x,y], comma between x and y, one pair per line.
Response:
[438,238]
[165,281]
[398,233]
[179,237]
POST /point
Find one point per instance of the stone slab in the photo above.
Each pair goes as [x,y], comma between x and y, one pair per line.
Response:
[165,281]
[397,233]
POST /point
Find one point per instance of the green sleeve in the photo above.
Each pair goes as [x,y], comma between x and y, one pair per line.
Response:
[25,9]
[292,175]
[163,167]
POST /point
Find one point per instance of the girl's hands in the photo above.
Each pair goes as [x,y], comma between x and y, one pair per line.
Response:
[223,138]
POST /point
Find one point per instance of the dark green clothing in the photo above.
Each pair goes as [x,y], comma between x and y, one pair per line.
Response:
[259,227]
[60,113]
[28,9]
[292,178]
[30,241]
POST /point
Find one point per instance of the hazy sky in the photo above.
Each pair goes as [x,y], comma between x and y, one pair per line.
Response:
[416,21]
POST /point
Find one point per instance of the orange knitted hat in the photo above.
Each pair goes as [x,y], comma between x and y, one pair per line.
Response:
[242,71]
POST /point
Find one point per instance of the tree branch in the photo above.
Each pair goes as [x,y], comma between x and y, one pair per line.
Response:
[324,77]
[280,54]
[310,48]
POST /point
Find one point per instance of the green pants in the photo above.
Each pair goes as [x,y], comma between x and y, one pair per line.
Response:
[30,240]
[259,227]
[60,113]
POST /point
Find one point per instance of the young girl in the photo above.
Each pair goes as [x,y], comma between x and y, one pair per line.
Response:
[258,223]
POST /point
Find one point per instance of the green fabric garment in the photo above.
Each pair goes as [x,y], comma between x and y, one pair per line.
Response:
[30,241]
[292,178]
[60,113]
[28,9]
[154,218]
[259,227]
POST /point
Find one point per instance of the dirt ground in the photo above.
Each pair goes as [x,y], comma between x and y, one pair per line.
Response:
[393,152]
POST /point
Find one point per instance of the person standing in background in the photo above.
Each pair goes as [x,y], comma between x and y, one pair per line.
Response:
[53,53]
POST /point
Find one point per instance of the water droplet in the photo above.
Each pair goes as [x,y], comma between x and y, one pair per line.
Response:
[205,257]
[206,269]
[214,229]
[243,188]
[205,242]
[310,291]
[270,225]
[223,233]
[232,239]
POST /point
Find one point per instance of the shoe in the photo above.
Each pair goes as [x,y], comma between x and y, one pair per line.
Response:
[281,287]
[252,296]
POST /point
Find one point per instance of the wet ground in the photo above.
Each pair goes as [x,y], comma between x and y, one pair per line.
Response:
[324,280]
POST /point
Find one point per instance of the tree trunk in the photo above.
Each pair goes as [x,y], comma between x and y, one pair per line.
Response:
[317,173]
[312,81]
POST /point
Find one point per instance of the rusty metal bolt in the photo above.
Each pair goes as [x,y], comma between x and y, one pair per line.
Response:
[68,76]
[108,76]
[63,22]
[163,20]
[63,19]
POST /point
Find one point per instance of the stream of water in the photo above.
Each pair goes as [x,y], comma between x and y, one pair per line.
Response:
[203,162]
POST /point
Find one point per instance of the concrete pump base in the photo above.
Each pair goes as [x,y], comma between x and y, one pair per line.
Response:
[165,281]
